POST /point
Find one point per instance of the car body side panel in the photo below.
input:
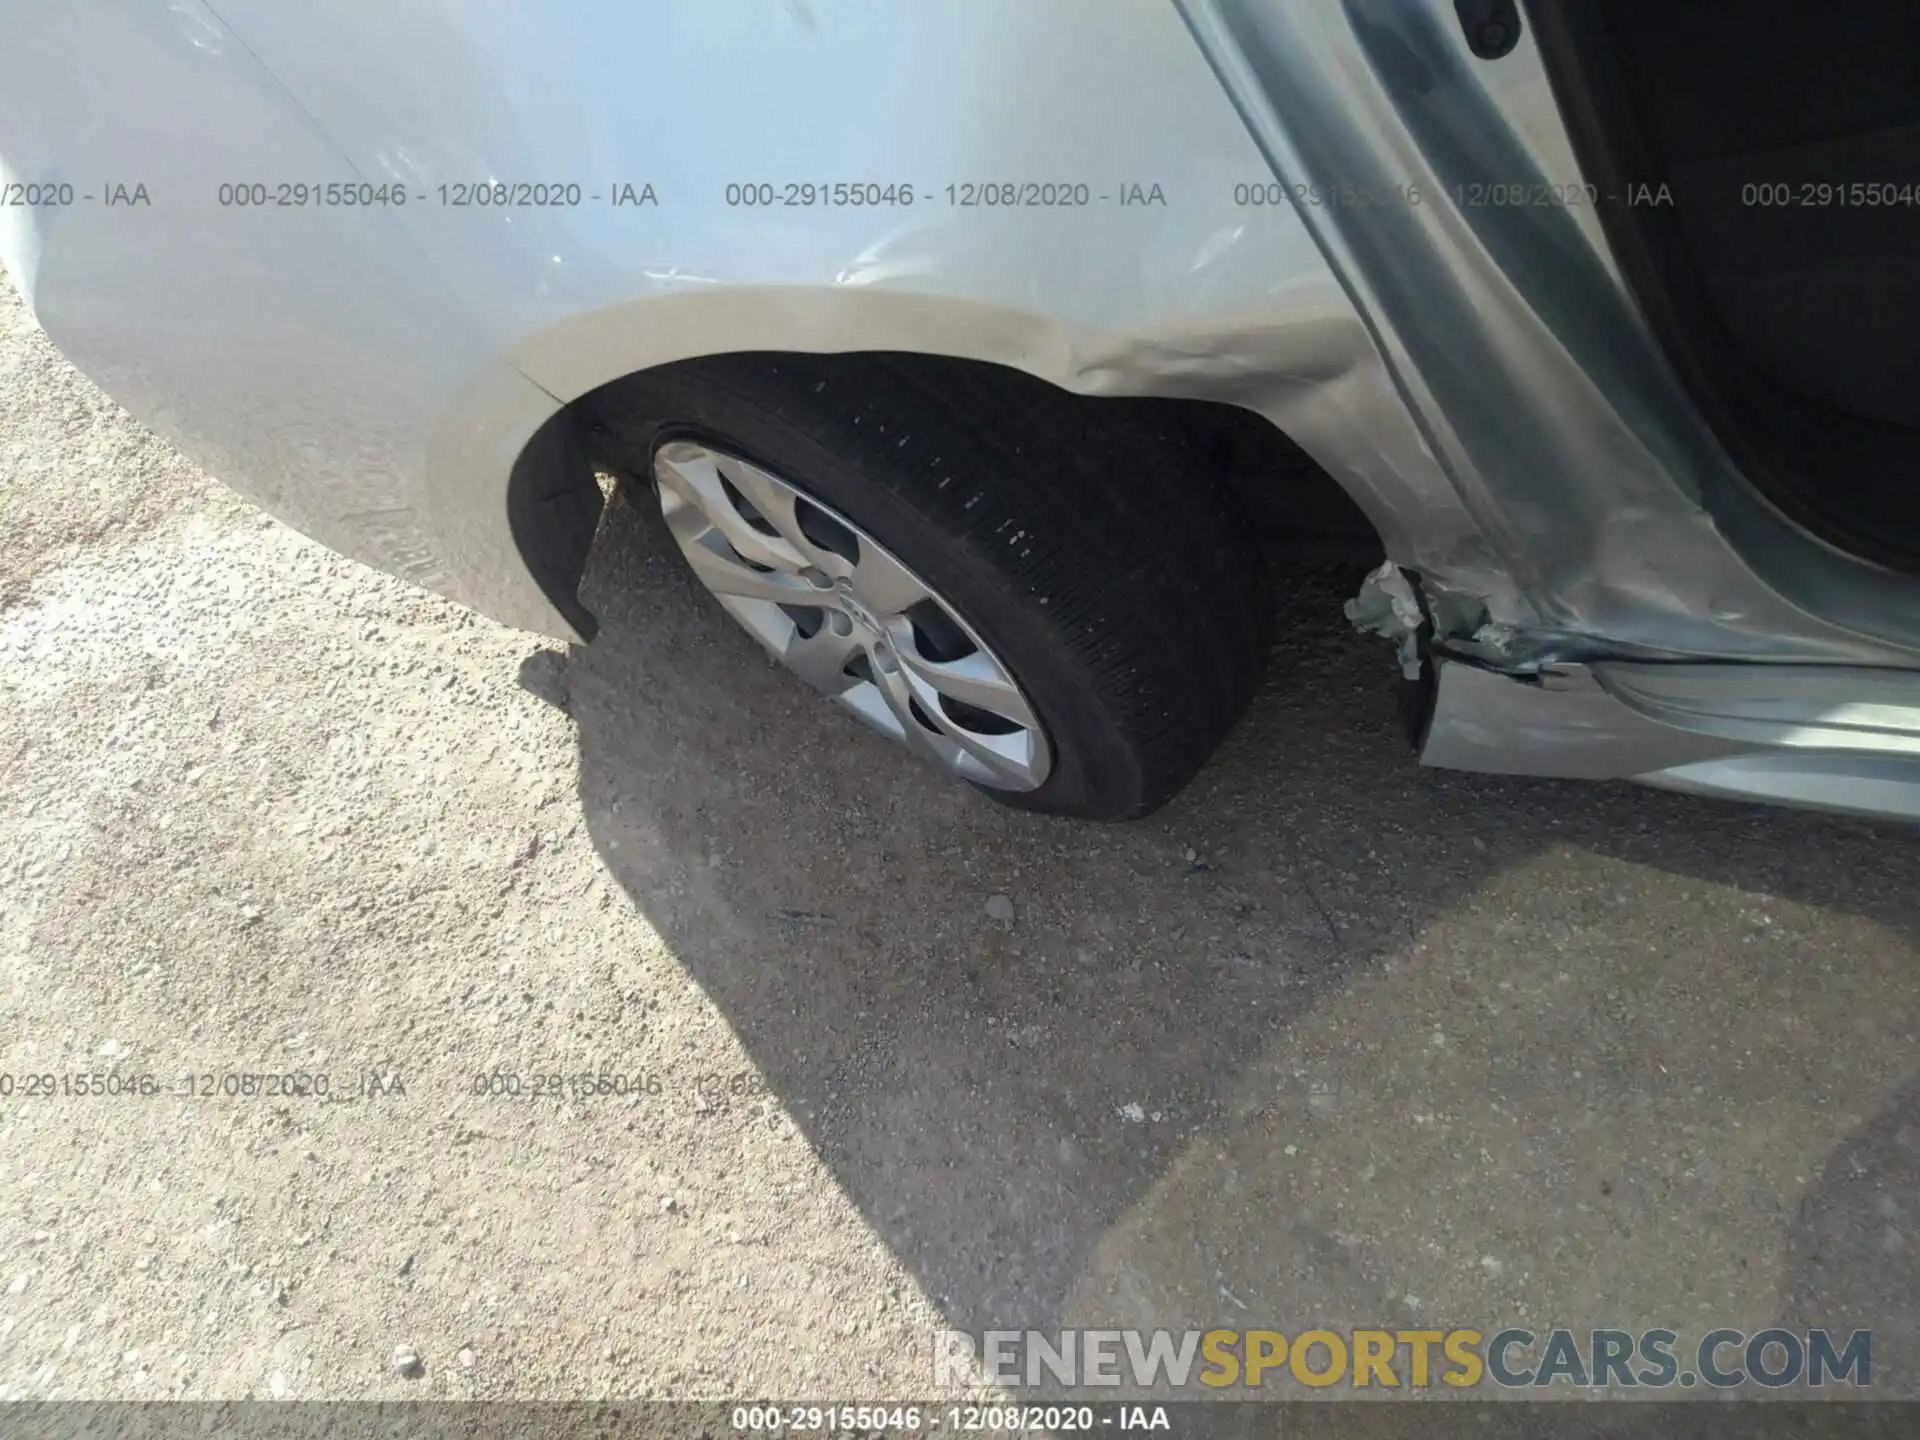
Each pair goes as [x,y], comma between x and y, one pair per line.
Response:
[690,97]
[1190,293]
[1622,524]
[1474,374]
[1824,736]
[370,375]
[303,359]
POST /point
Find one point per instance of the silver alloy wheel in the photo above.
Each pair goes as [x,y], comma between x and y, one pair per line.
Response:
[832,605]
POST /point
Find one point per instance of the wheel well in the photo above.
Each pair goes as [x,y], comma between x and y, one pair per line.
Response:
[554,502]
[554,499]
[1287,497]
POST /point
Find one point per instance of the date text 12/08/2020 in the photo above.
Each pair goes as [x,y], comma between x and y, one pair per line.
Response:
[116,1084]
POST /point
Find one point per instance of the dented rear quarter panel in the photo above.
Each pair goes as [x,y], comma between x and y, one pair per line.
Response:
[1617,523]
[1477,379]
[371,375]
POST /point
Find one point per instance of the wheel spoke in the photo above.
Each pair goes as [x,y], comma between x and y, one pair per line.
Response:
[778,505]
[973,680]
[820,659]
[898,694]
[726,576]
[1010,756]
[695,482]
[882,583]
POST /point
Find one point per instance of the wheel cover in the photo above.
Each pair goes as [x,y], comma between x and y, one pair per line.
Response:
[835,607]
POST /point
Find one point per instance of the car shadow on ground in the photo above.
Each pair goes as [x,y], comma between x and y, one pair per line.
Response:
[1332,1039]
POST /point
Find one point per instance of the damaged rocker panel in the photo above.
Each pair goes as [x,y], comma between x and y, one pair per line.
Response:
[1841,738]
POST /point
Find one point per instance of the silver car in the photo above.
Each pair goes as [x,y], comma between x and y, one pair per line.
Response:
[981,355]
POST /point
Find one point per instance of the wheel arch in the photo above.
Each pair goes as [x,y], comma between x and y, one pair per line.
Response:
[1306,375]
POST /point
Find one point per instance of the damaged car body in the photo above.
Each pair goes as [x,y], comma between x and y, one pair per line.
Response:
[1418,239]
[1630,603]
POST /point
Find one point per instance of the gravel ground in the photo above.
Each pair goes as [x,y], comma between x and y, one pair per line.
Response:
[1330,1040]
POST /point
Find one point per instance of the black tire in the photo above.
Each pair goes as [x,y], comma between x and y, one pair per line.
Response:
[1135,610]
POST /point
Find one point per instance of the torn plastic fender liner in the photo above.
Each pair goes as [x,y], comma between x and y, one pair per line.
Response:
[1395,602]
[1392,605]
[1389,606]
[1428,623]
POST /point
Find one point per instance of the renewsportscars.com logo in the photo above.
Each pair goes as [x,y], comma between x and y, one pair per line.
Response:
[1402,1359]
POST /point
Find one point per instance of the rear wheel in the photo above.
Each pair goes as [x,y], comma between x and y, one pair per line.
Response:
[1021,587]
